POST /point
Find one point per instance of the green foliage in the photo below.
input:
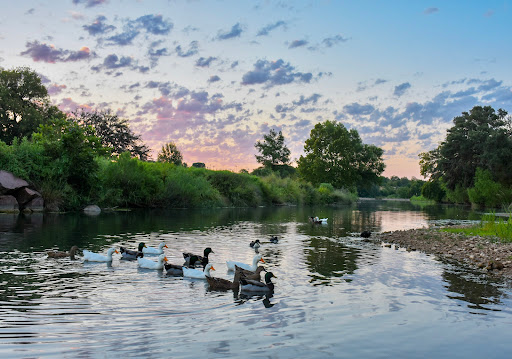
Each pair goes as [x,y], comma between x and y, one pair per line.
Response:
[433,190]
[336,155]
[113,131]
[458,195]
[273,151]
[480,138]
[170,154]
[487,192]
[240,190]
[24,104]
[490,225]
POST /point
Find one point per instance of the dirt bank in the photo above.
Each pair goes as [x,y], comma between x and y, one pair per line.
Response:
[485,253]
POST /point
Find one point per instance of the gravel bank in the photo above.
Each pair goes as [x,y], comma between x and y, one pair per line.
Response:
[481,252]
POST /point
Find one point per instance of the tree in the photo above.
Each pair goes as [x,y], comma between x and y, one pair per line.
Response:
[337,156]
[114,132]
[273,151]
[480,138]
[170,154]
[24,104]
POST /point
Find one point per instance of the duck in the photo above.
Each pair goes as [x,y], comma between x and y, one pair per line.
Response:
[274,239]
[250,285]
[257,258]
[255,244]
[97,257]
[317,220]
[62,254]
[254,275]
[194,259]
[132,255]
[151,250]
[173,269]
[196,273]
[366,234]
[224,284]
[149,264]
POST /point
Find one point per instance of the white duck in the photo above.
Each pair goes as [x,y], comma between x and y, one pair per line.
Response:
[151,250]
[96,257]
[257,258]
[196,273]
[149,264]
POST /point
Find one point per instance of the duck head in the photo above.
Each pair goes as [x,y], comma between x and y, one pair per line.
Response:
[207,251]
[141,245]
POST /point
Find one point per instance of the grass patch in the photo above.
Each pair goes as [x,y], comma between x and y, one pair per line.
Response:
[489,226]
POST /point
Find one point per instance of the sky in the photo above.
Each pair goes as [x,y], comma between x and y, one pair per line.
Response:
[215,76]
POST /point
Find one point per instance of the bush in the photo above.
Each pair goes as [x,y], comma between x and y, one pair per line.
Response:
[487,192]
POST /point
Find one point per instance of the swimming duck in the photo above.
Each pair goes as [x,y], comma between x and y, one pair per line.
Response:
[254,275]
[366,234]
[257,258]
[224,284]
[151,250]
[250,285]
[274,239]
[255,244]
[196,273]
[317,220]
[61,254]
[132,255]
[149,264]
[96,257]
[192,260]
[173,269]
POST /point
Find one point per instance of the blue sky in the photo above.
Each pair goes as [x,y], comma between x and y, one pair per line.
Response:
[215,76]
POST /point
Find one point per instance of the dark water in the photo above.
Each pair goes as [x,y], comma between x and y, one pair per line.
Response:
[336,296]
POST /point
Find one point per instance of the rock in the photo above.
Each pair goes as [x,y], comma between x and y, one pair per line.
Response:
[9,204]
[9,183]
[25,195]
[52,207]
[92,210]
[35,205]
[366,234]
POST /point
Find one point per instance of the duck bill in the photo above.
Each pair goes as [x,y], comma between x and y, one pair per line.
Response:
[261,260]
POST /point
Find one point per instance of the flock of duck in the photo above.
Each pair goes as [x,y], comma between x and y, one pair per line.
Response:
[247,277]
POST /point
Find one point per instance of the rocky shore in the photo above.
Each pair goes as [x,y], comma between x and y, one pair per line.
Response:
[485,253]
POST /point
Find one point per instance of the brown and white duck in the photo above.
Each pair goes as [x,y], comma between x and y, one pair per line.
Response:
[63,254]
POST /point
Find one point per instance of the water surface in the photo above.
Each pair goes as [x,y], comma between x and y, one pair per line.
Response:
[336,295]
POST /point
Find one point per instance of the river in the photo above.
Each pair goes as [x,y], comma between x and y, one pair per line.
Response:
[336,296]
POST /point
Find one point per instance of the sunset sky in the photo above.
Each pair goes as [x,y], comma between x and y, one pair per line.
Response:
[215,76]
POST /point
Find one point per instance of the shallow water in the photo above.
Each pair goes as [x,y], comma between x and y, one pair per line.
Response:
[336,296]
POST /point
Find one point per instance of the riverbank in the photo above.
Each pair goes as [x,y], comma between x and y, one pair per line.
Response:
[484,253]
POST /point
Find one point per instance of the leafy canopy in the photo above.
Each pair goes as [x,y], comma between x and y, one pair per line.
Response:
[170,154]
[480,138]
[273,151]
[337,156]
[24,104]
[113,131]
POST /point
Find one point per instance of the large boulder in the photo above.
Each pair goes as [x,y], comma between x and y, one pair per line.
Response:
[26,195]
[9,183]
[9,204]
[35,205]
[92,209]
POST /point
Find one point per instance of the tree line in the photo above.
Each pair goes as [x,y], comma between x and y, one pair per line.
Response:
[75,158]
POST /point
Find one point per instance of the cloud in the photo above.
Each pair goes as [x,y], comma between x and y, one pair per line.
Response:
[430,10]
[114,62]
[297,43]
[205,62]
[55,89]
[48,53]
[307,100]
[400,89]
[334,40]
[235,31]
[156,54]
[489,13]
[192,49]
[267,29]
[273,73]
[357,109]
[90,3]
[213,78]
[152,24]
[155,24]
[98,26]
[380,81]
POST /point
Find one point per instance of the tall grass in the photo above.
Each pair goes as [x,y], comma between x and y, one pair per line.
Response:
[490,225]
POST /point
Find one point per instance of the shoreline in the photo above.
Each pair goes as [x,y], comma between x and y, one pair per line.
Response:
[482,253]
